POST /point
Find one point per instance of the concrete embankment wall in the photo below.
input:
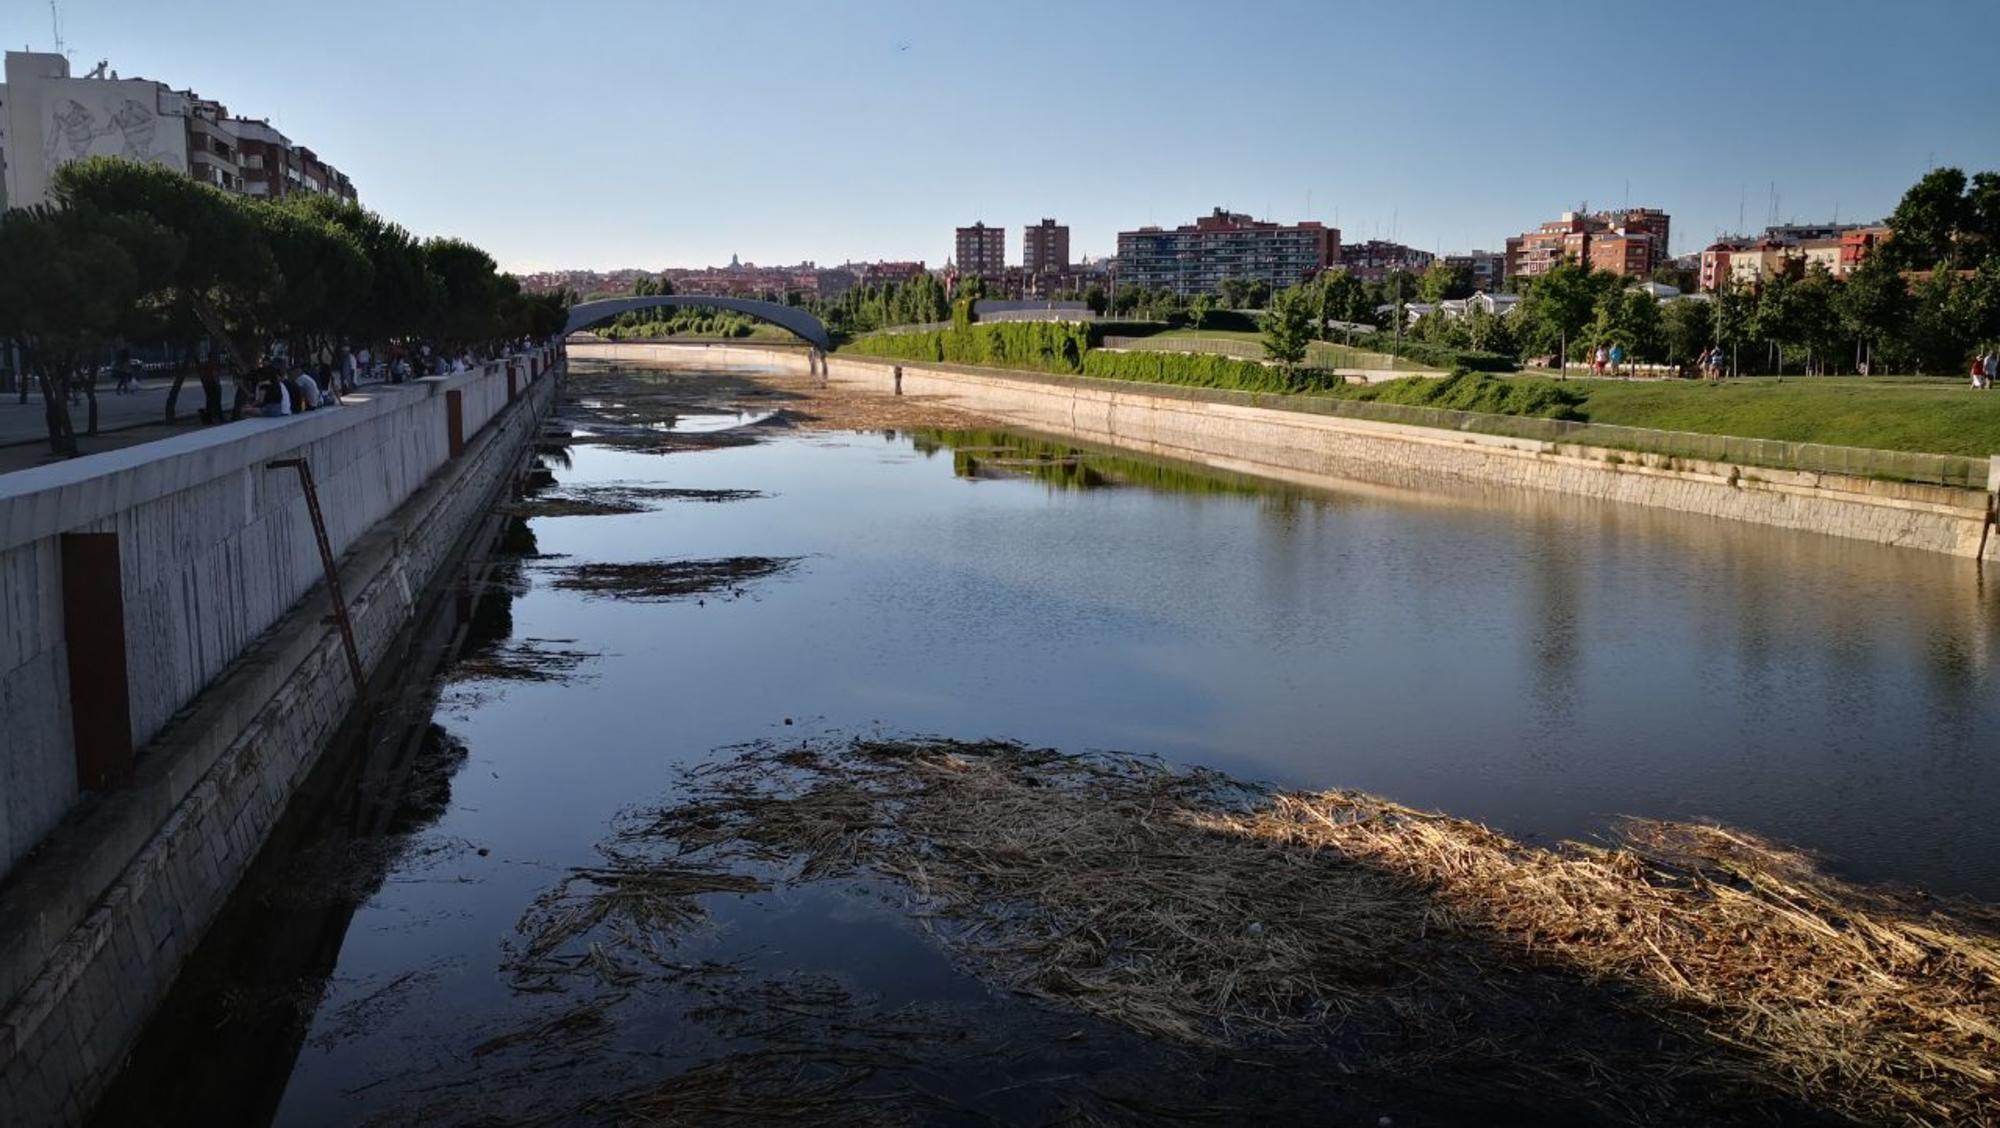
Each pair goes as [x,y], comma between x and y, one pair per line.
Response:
[235,680]
[1292,444]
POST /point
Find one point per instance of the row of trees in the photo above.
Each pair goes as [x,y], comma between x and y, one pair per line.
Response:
[135,256]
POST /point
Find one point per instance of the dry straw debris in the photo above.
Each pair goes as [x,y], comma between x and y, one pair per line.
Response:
[656,581]
[1198,909]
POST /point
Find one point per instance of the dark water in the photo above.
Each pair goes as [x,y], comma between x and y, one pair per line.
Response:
[1541,663]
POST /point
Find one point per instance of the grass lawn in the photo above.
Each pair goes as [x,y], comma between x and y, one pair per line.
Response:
[1327,354]
[1911,414]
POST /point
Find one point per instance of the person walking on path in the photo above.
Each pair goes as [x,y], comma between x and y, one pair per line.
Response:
[1992,365]
[1617,360]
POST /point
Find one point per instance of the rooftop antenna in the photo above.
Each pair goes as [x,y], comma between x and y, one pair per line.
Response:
[55,24]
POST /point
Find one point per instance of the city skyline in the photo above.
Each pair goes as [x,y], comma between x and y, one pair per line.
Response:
[851,134]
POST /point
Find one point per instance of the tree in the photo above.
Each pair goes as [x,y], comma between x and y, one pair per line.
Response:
[1634,323]
[468,289]
[1925,224]
[1288,327]
[1872,304]
[1199,307]
[1343,297]
[1731,309]
[1686,328]
[1816,319]
[1982,216]
[1095,298]
[71,280]
[224,261]
[1440,282]
[319,289]
[1556,307]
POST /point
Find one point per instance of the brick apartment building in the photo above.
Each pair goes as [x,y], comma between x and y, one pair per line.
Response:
[1487,268]
[1045,248]
[981,251]
[1376,259]
[1196,258]
[1788,248]
[1629,242]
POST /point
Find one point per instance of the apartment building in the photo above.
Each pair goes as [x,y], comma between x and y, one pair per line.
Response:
[1487,268]
[1196,258]
[53,118]
[981,251]
[1376,259]
[1045,248]
[1789,248]
[1629,242]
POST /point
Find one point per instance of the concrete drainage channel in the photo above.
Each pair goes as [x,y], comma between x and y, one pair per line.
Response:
[96,921]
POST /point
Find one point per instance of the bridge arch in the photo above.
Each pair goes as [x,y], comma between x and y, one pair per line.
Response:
[791,318]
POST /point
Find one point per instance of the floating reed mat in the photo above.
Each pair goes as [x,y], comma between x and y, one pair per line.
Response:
[613,499]
[522,660]
[1674,960]
[661,580]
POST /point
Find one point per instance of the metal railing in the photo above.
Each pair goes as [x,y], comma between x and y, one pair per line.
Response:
[1818,458]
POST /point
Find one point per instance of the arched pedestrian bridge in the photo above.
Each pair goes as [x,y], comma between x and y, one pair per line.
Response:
[791,318]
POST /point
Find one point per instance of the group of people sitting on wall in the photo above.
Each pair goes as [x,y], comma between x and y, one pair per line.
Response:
[278,387]
[270,390]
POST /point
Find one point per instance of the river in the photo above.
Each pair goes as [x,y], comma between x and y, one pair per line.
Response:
[1544,664]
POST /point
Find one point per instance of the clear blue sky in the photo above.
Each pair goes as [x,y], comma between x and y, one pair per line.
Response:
[569,133]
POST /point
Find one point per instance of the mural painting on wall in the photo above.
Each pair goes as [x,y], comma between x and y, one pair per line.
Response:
[77,131]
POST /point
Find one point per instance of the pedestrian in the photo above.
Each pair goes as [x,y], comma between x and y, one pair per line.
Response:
[1978,373]
[1992,365]
[274,399]
[1618,359]
[123,371]
[305,390]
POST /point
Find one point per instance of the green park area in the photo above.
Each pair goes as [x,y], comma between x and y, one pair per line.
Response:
[1901,414]
[1905,414]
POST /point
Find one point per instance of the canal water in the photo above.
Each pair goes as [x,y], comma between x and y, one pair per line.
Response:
[1544,664]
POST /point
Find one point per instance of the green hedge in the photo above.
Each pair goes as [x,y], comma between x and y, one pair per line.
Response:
[1440,356]
[1204,370]
[1480,391]
[1045,346]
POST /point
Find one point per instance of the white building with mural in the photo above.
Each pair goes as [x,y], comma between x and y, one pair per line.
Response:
[49,118]
[54,118]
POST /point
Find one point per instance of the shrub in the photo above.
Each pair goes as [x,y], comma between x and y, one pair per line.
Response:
[1046,346]
[1465,390]
[1204,370]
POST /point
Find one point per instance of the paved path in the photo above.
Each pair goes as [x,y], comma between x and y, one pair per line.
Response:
[23,422]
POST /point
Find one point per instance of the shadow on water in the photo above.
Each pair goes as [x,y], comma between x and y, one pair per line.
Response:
[221,1046]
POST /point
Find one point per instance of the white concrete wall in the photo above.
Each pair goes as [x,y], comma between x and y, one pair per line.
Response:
[94,928]
[1306,446]
[213,549]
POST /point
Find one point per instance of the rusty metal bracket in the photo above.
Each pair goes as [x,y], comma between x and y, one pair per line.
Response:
[340,615]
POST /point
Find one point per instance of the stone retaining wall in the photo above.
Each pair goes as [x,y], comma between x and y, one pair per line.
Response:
[1290,444]
[96,922]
